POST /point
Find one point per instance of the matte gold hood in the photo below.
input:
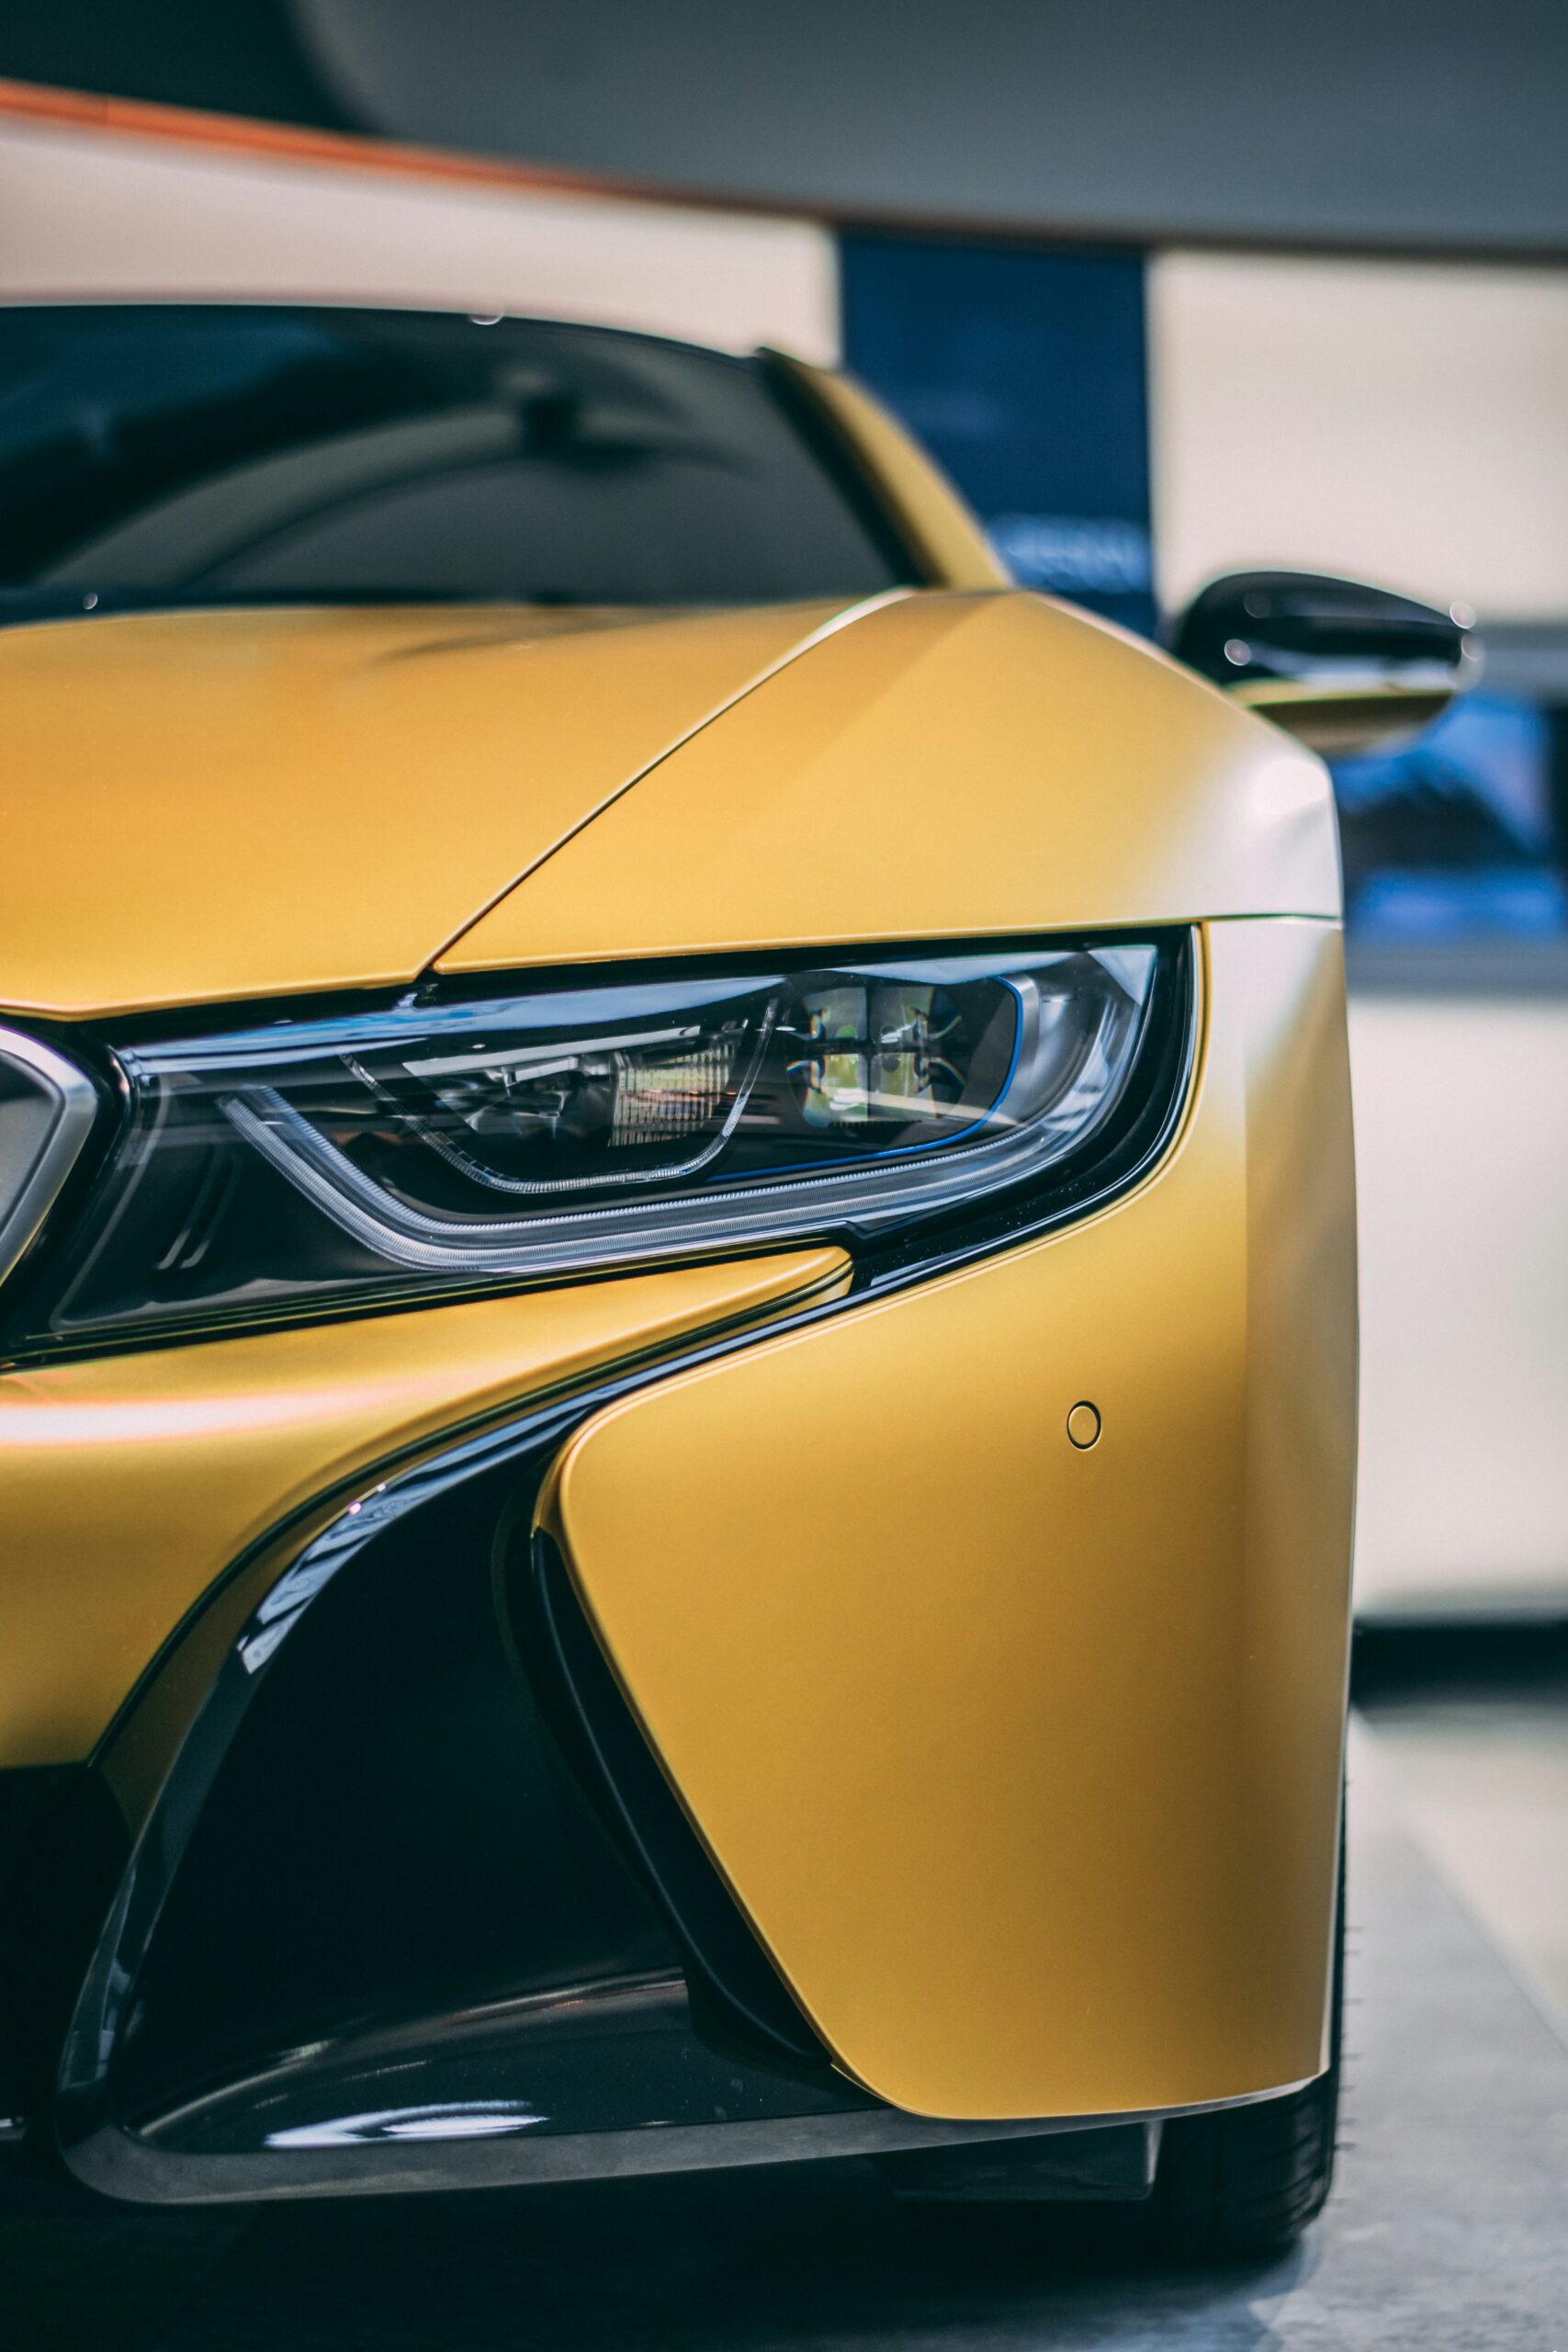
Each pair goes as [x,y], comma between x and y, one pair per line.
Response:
[206,806]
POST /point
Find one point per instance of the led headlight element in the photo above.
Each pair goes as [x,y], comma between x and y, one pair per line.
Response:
[310,1163]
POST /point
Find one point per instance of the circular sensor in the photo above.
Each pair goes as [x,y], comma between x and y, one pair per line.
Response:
[1083,1426]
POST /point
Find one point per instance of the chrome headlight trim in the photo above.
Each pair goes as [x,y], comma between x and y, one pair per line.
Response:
[47,1110]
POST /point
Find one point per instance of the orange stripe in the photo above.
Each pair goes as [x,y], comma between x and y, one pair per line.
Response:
[347,150]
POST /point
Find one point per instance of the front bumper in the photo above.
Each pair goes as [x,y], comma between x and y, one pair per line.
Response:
[1019,1760]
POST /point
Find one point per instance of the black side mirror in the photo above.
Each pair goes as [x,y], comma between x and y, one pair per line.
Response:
[1342,666]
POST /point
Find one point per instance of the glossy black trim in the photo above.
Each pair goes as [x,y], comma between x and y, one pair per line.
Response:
[608,2056]
[1302,625]
[123,2165]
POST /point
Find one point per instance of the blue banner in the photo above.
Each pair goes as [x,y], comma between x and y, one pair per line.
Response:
[1024,373]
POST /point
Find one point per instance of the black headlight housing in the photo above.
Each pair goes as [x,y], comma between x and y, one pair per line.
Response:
[308,1166]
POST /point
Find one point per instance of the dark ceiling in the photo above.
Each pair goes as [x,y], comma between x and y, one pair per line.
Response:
[243,57]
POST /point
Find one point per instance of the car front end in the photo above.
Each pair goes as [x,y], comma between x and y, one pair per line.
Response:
[678,1280]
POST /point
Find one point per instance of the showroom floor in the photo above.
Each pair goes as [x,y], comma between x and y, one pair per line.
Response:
[1448,2229]
[1481,1774]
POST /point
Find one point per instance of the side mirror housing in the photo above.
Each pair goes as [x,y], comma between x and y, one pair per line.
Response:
[1341,666]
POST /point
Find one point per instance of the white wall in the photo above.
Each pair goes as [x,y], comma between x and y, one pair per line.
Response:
[1461,1156]
[86,213]
[1404,422]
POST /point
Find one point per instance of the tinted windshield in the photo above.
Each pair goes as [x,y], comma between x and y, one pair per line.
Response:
[175,453]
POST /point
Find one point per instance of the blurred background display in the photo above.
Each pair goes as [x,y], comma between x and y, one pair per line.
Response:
[1462,835]
[1026,374]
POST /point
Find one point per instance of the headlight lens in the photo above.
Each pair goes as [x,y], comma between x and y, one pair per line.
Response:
[311,1165]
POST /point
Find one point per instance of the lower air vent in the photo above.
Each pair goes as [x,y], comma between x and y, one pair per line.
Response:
[729,1973]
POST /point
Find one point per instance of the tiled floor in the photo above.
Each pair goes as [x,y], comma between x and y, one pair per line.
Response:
[1448,2230]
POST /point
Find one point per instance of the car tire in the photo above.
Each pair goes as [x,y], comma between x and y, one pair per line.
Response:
[1248,2178]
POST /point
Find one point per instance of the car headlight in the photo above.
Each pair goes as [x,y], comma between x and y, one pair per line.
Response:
[312,1166]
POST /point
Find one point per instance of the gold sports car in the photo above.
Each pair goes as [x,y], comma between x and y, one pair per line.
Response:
[677,1293]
